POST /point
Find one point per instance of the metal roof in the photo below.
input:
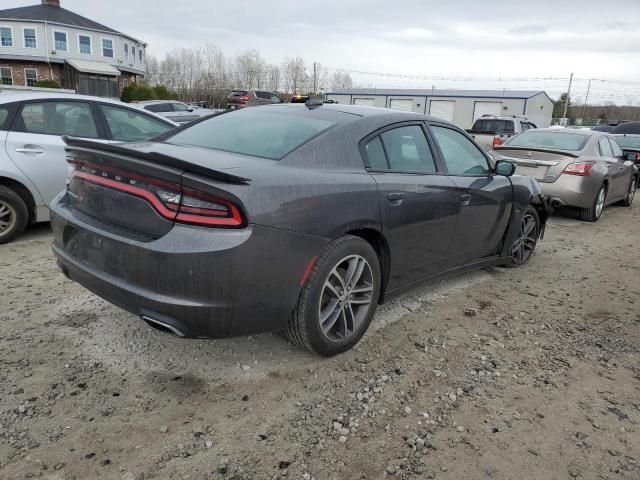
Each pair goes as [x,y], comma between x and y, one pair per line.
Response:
[429,92]
[92,66]
[54,14]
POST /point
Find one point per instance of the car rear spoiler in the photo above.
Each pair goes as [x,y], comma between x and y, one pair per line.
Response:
[566,153]
[74,143]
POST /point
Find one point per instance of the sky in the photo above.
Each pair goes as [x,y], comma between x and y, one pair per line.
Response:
[473,44]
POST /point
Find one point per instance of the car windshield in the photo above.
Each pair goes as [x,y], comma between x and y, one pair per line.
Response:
[546,139]
[493,126]
[628,142]
[261,132]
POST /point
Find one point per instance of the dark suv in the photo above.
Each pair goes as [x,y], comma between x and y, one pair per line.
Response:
[251,98]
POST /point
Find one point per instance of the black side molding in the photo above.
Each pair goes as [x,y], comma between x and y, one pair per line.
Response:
[96,147]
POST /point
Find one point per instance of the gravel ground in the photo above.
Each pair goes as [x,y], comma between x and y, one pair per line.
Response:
[530,373]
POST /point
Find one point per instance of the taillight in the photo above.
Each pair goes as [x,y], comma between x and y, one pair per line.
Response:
[580,169]
[637,157]
[244,98]
[170,200]
[497,141]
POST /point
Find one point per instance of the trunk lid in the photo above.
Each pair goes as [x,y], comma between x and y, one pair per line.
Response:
[541,164]
[137,190]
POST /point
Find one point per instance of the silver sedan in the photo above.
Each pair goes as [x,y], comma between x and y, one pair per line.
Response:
[575,168]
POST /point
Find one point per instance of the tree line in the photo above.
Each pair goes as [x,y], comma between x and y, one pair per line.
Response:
[208,74]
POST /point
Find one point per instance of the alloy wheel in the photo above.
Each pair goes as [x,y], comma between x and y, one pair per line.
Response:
[7,218]
[600,201]
[526,242]
[346,298]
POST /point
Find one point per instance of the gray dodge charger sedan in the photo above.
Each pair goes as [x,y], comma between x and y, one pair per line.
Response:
[296,218]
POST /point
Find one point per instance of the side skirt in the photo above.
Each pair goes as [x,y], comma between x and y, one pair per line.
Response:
[476,265]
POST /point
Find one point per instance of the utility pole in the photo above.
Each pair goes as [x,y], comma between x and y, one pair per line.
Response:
[566,101]
[586,99]
[315,77]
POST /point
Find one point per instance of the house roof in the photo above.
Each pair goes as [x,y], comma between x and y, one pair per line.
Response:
[422,92]
[91,66]
[53,14]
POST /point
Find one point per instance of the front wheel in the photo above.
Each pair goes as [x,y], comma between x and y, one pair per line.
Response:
[524,245]
[14,215]
[631,192]
[593,213]
[339,298]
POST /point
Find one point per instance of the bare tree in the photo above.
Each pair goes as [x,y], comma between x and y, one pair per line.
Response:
[295,76]
[341,81]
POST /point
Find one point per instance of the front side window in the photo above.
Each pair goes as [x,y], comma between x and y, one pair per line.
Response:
[407,150]
[127,125]
[30,77]
[60,41]
[84,41]
[58,118]
[6,76]
[6,36]
[30,40]
[107,47]
[460,155]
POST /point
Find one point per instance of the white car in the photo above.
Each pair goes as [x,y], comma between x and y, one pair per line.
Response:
[176,111]
[33,167]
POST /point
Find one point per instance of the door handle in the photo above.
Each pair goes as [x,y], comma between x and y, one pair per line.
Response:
[29,149]
[465,199]
[395,198]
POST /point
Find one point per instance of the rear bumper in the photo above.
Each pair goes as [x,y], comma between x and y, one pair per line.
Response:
[572,191]
[201,282]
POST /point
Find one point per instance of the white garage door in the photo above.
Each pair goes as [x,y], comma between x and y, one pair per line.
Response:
[486,108]
[367,102]
[443,109]
[401,104]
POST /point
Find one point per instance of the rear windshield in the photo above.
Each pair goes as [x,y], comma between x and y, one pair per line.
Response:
[551,140]
[261,131]
[493,126]
[628,142]
[238,93]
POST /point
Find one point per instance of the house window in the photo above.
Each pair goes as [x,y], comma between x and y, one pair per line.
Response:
[6,76]
[126,50]
[60,41]
[30,77]
[140,55]
[30,40]
[133,53]
[107,47]
[6,36]
[85,44]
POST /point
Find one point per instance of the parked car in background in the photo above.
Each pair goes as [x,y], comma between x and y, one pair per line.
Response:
[251,98]
[627,128]
[299,218]
[492,130]
[576,168]
[630,145]
[33,167]
[176,111]
[299,98]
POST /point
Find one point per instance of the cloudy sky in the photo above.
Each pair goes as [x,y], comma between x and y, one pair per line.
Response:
[453,44]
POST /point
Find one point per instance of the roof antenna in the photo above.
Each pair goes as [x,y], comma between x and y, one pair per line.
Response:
[313,102]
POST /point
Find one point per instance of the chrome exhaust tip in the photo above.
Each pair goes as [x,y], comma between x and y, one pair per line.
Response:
[163,326]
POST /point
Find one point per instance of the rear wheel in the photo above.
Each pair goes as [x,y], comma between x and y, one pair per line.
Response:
[523,247]
[593,213]
[631,193]
[338,300]
[14,215]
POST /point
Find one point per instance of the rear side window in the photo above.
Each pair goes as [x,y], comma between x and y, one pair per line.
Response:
[268,132]
[127,125]
[617,151]
[375,154]
[57,118]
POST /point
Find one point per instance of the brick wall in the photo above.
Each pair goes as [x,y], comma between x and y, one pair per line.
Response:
[44,73]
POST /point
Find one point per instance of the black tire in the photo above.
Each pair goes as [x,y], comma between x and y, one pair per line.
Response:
[592,214]
[527,240]
[631,193]
[14,215]
[304,329]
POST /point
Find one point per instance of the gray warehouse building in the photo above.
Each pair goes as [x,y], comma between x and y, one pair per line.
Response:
[461,107]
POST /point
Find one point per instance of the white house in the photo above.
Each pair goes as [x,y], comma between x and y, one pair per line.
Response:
[46,41]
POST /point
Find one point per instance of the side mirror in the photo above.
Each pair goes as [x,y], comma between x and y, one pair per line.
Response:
[505,168]
[190,110]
